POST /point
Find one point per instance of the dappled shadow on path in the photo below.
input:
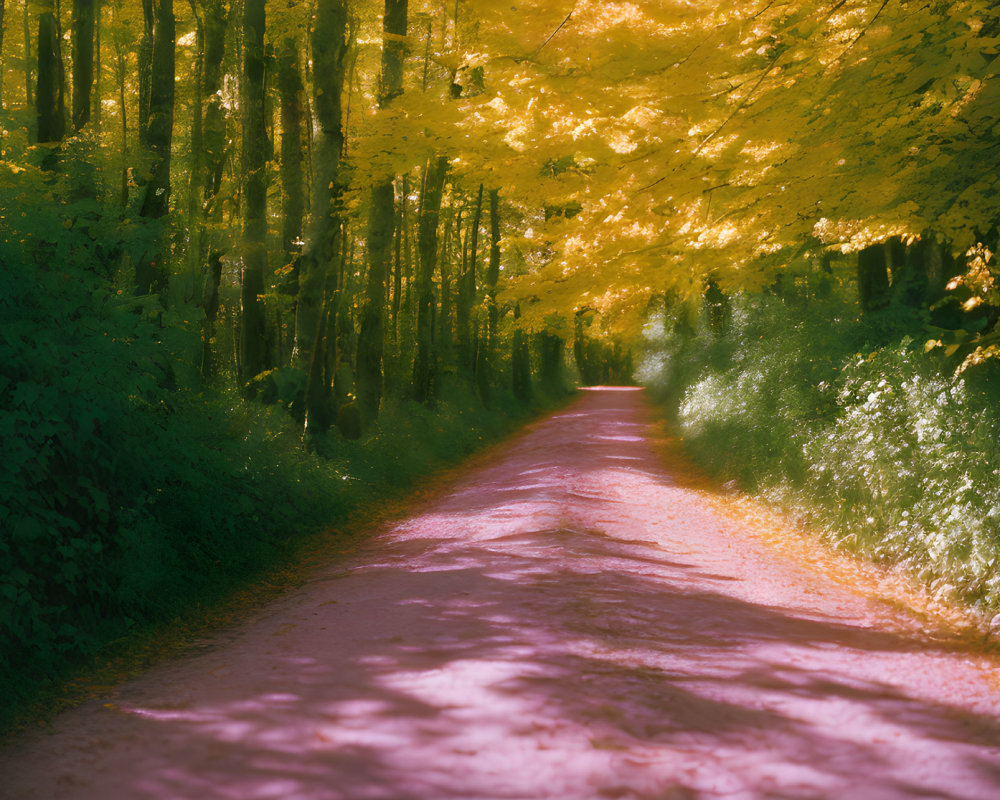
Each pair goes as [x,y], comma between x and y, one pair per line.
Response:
[568,623]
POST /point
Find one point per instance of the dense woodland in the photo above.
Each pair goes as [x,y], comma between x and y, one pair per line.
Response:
[253,251]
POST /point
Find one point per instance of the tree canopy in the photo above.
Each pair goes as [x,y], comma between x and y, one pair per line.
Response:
[638,148]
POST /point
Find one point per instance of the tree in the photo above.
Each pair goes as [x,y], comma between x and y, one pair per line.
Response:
[84,30]
[520,362]
[330,45]
[145,63]
[293,190]
[873,278]
[485,363]
[49,95]
[466,294]
[424,367]
[150,271]
[209,147]
[29,98]
[254,168]
[3,22]
[381,220]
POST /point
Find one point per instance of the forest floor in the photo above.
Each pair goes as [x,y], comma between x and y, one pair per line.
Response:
[577,615]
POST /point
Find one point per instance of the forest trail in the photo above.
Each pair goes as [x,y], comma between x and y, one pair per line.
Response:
[568,620]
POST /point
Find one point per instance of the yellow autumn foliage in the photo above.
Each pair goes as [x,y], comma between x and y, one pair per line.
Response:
[704,138]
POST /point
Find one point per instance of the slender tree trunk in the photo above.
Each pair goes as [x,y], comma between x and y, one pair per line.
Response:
[292,187]
[371,336]
[151,273]
[407,232]
[209,156]
[84,28]
[160,123]
[580,350]
[214,127]
[551,349]
[485,362]
[910,282]
[445,329]
[197,140]
[719,307]
[253,330]
[330,46]
[3,23]
[520,362]
[467,291]
[145,64]
[397,276]
[293,190]
[381,220]
[493,271]
[29,89]
[121,76]
[49,98]
[424,368]
[873,278]
[97,96]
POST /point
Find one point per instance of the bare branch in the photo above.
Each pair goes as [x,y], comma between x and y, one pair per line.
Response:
[552,35]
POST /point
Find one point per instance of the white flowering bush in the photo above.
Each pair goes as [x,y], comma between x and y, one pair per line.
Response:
[855,429]
[911,467]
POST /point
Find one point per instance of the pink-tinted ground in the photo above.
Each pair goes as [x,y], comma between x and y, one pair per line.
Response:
[568,622]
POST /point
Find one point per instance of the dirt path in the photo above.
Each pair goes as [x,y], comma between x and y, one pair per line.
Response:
[568,622]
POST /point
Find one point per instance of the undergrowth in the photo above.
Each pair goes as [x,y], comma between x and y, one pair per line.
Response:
[130,496]
[850,425]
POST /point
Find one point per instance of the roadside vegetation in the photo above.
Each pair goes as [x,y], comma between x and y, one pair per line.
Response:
[857,422]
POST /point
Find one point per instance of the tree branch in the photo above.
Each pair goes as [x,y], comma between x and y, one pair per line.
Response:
[552,35]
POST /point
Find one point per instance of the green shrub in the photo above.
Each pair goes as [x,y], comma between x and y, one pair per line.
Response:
[130,492]
[847,423]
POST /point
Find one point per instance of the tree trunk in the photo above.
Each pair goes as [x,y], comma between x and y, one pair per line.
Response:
[3,20]
[214,126]
[208,159]
[293,190]
[910,277]
[487,347]
[29,89]
[466,296]
[197,140]
[160,127]
[49,96]
[939,265]
[521,362]
[292,187]
[371,337]
[430,212]
[145,65]
[443,330]
[151,273]
[253,346]
[330,45]
[493,271]
[580,350]
[84,28]
[551,368]
[873,278]
[121,67]
[718,306]
[97,95]
[381,220]
[397,275]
